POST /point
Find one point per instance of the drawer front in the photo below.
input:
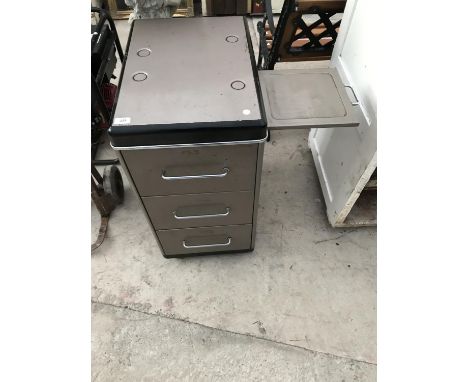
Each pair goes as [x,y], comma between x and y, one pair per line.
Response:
[192,170]
[206,239]
[200,210]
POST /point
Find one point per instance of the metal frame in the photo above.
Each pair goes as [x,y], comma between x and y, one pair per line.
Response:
[103,17]
[105,202]
[291,28]
[97,100]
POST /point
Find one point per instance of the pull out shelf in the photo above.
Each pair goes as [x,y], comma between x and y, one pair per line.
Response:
[305,98]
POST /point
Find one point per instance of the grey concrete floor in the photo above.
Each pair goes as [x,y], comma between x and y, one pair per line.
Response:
[134,346]
[301,306]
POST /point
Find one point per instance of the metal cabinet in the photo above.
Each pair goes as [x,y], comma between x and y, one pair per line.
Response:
[173,185]
[191,142]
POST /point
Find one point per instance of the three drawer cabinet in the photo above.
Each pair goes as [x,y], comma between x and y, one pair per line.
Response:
[191,138]
[198,199]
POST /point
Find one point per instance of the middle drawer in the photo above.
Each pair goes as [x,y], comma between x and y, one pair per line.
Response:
[200,210]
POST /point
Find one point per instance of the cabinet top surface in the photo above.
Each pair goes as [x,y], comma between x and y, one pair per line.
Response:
[188,71]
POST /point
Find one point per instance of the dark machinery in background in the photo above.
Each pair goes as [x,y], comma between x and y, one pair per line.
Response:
[293,39]
[107,191]
[104,44]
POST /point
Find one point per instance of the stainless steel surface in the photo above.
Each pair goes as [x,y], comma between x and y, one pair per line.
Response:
[305,98]
[227,244]
[200,210]
[190,72]
[203,176]
[173,240]
[205,216]
[147,167]
[187,145]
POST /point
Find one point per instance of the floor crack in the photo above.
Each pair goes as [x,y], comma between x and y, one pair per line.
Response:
[232,332]
[334,238]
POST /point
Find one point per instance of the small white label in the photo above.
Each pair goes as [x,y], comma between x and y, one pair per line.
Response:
[246,111]
[122,121]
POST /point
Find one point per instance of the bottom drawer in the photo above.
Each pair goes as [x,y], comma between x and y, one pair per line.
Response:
[206,239]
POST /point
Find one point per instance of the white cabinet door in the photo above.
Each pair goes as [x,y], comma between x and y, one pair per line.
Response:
[345,158]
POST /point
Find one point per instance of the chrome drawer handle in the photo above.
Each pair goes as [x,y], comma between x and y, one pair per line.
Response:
[186,177]
[228,211]
[207,245]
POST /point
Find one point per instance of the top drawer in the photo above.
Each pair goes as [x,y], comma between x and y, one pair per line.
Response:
[192,170]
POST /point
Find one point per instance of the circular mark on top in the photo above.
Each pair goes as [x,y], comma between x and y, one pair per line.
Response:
[144,52]
[246,111]
[140,76]
[237,85]
[232,38]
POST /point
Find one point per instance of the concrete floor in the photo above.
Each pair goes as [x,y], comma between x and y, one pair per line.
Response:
[133,346]
[302,306]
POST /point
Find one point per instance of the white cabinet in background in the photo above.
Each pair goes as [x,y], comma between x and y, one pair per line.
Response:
[346,158]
